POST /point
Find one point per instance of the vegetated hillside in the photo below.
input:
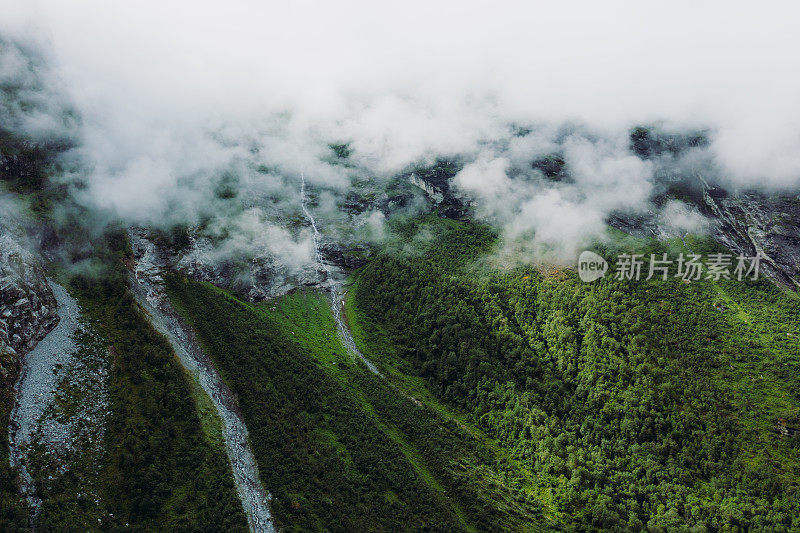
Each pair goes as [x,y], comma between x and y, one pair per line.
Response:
[163,468]
[339,448]
[162,471]
[13,507]
[636,405]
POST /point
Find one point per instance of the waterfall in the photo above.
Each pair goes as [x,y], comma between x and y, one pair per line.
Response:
[333,283]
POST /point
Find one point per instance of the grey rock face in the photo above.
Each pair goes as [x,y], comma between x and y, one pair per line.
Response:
[639,225]
[435,182]
[751,223]
[28,309]
[347,258]
[268,279]
[258,279]
[747,223]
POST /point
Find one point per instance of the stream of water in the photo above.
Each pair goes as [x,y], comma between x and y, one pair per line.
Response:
[334,280]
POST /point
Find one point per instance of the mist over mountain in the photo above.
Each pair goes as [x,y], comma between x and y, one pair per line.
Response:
[298,267]
[181,115]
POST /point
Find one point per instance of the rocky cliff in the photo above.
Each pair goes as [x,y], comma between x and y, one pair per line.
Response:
[255,279]
[28,309]
[751,222]
[747,223]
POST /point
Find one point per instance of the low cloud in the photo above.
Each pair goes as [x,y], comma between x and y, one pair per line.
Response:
[188,113]
[549,212]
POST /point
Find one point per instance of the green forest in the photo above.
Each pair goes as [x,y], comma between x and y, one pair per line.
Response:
[279,269]
[512,398]
[162,471]
[339,448]
[515,399]
[634,405]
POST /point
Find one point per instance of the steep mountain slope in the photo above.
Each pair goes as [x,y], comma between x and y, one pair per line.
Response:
[160,468]
[28,311]
[339,447]
[654,405]
[147,287]
[165,467]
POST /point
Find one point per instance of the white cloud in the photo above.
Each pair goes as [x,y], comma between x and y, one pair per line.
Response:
[174,94]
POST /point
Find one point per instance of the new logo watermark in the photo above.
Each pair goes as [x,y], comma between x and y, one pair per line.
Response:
[591,266]
[688,267]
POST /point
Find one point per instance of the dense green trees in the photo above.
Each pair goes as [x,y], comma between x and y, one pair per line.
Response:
[339,448]
[326,462]
[162,473]
[629,399]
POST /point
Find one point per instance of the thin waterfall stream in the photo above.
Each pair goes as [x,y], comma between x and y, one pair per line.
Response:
[334,282]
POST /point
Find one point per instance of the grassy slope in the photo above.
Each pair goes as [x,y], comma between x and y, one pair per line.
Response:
[449,456]
[307,315]
[308,403]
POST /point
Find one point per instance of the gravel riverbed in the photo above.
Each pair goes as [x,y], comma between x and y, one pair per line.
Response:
[149,292]
[36,388]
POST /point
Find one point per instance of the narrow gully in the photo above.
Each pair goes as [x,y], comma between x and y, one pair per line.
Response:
[151,296]
[333,284]
[35,388]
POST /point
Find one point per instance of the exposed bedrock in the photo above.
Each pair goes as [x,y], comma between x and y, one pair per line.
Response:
[28,309]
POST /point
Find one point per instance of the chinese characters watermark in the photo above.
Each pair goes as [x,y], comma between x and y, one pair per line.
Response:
[688,267]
